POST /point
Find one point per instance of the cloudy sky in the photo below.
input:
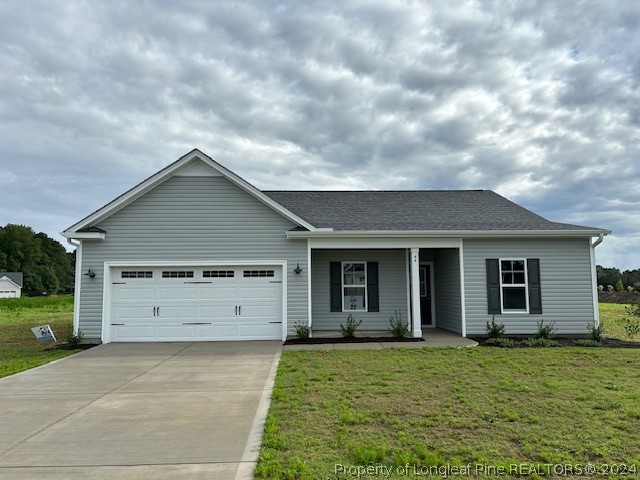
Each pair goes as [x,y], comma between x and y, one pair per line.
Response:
[539,101]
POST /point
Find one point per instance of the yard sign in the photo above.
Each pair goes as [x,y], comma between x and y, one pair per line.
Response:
[43,333]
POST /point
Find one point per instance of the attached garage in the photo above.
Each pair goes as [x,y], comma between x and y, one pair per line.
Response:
[195,303]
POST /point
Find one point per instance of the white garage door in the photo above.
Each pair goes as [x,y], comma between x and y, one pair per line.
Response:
[7,294]
[201,303]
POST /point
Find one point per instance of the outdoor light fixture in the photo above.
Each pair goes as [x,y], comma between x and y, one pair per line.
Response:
[297,270]
[91,273]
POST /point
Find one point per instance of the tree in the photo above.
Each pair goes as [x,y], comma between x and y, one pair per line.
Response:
[607,276]
[44,262]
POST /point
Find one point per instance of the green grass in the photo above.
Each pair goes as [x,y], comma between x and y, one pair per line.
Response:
[612,316]
[435,407]
[19,350]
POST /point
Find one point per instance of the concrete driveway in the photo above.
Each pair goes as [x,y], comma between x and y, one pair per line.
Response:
[139,411]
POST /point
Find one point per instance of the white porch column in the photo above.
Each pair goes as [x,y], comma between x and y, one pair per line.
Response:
[415,292]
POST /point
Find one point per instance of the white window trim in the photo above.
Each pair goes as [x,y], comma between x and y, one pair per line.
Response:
[366,289]
[525,285]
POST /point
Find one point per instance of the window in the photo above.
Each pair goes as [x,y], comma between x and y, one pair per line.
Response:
[354,286]
[513,285]
[136,274]
[218,273]
[177,274]
[258,273]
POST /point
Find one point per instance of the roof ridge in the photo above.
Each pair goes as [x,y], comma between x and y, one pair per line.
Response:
[374,191]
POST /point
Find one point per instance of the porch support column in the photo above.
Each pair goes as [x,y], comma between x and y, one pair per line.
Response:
[415,292]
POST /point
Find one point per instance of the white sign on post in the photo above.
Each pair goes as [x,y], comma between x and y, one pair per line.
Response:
[44,333]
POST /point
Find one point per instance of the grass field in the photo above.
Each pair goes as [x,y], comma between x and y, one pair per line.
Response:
[612,316]
[19,350]
[435,407]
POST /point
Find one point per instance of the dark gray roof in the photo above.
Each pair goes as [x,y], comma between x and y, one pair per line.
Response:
[15,277]
[413,210]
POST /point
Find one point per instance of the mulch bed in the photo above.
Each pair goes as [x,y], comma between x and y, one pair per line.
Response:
[566,342]
[66,346]
[323,340]
[618,297]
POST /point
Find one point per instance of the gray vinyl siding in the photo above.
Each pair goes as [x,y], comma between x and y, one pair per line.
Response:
[392,278]
[193,218]
[565,274]
[447,290]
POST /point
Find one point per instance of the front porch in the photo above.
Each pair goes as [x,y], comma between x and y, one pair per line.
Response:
[434,337]
[423,286]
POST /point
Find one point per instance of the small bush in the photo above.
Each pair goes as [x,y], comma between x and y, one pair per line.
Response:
[397,326]
[540,342]
[631,327]
[619,286]
[75,339]
[303,331]
[500,342]
[596,333]
[601,288]
[588,342]
[494,330]
[633,309]
[349,330]
[545,331]
[610,288]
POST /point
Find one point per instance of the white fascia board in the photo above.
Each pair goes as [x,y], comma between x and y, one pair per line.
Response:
[382,242]
[164,174]
[444,233]
[84,235]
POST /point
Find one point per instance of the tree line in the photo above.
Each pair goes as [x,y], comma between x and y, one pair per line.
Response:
[43,261]
[617,279]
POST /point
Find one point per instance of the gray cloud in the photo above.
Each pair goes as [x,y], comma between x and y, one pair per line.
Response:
[539,101]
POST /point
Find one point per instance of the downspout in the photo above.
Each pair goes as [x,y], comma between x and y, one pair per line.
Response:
[76,288]
[594,279]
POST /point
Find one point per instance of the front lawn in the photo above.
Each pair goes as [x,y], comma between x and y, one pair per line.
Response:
[19,350]
[612,316]
[438,407]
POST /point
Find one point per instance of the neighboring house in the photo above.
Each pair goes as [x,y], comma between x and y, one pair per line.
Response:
[10,284]
[197,253]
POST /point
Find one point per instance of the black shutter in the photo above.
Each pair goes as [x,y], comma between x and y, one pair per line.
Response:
[493,286]
[372,287]
[335,271]
[535,294]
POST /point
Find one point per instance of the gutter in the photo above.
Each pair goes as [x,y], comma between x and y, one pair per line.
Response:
[598,241]
[446,233]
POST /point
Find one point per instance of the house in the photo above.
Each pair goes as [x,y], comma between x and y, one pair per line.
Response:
[10,284]
[195,252]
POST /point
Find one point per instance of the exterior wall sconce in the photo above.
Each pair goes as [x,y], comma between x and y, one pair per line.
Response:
[297,270]
[91,273]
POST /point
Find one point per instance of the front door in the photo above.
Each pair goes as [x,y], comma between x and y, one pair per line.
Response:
[425,295]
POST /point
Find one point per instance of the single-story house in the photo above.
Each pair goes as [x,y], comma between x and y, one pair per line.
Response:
[10,284]
[195,252]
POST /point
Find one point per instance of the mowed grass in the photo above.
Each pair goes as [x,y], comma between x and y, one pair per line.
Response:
[612,316]
[19,350]
[434,407]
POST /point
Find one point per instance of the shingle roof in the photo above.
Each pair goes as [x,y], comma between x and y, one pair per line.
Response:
[413,210]
[15,277]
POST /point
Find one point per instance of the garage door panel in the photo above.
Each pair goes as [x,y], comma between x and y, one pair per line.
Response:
[265,310]
[268,330]
[133,313]
[176,331]
[215,292]
[133,292]
[141,332]
[177,293]
[182,312]
[250,293]
[217,312]
[212,332]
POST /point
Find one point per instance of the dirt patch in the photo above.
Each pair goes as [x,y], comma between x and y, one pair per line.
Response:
[617,297]
[322,340]
[67,346]
[564,342]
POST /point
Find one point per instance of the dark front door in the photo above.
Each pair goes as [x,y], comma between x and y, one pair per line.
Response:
[425,295]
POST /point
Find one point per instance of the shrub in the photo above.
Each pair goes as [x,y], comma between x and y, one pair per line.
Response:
[634,308]
[75,339]
[545,331]
[630,289]
[588,342]
[631,327]
[500,342]
[600,288]
[494,330]
[540,342]
[397,326]
[596,333]
[302,330]
[610,288]
[619,286]
[349,330]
